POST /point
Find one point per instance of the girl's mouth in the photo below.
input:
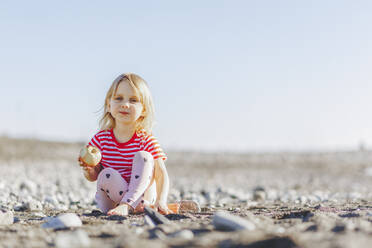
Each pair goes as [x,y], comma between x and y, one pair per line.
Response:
[124,113]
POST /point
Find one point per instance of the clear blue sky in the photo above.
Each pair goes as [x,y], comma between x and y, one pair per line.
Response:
[226,75]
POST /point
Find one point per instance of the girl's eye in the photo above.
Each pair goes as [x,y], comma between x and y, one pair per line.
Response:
[133,100]
[118,98]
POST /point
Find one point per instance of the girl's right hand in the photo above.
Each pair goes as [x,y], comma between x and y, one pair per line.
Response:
[89,171]
[81,163]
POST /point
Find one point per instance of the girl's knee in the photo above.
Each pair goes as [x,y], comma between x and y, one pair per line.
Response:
[111,179]
[108,173]
[143,156]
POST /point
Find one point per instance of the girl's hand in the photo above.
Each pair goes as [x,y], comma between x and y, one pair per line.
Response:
[162,207]
[82,163]
[90,172]
[122,210]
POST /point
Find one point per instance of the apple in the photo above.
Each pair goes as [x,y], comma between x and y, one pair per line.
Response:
[90,155]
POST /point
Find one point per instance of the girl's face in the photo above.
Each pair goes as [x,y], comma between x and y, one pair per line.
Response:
[125,105]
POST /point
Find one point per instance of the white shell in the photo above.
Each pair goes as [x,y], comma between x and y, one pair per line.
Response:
[91,155]
[226,221]
[63,221]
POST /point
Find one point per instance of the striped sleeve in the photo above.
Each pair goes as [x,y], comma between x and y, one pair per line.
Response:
[95,141]
[152,146]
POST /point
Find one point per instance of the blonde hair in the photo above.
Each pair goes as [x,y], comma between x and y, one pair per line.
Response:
[145,122]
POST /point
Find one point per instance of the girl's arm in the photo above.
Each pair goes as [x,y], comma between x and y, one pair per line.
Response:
[162,184]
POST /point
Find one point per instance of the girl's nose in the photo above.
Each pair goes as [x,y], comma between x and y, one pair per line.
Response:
[125,104]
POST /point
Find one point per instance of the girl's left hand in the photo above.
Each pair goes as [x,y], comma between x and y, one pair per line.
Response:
[122,210]
[162,207]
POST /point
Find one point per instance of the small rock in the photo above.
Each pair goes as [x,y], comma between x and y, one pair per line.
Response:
[28,185]
[51,199]
[156,217]
[139,231]
[63,221]
[302,199]
[6,217]
[148,221]
[87,212]
[156,233]
[78,238]
[339,228]
[61,207]
[183,234]
[39,214]
[368,171]
[20,207]
[225,221]
[189,206]
[33,206]
[252,204]
[259,194]
[312,228]
[280,230]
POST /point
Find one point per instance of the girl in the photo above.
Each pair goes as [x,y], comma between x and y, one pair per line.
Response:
[131,173]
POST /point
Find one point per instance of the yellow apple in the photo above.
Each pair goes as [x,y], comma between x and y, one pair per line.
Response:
[90,155]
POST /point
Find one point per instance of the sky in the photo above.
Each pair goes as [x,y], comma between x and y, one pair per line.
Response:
[225,75]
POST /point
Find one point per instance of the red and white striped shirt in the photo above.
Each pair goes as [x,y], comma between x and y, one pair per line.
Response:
[119,156]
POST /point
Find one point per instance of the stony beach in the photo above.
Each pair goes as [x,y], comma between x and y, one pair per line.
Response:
[281,199]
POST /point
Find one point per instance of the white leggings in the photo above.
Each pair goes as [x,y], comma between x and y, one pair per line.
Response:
[112,189]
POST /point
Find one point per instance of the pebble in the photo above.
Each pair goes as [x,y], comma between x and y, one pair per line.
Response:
[29,185]
[33,205]
[252,204]
[259,194]
[368,171]
[183,234]
[148,221]
[63,221]
[139,231]
[39,214]
[6,217]
[339,228]
[225,221]
[156,217]
[74,239]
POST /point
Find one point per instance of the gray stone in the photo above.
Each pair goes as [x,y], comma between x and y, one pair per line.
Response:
[259,194]
[20,207]
[29,185]
[368,171]
[6,217]
[183,234]
[39,214]
[33,205]
[78,238]
[63,221]
[148,221]
[225,221]
[156,217]
[51,199]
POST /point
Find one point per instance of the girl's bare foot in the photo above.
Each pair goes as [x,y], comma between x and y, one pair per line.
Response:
[122,210]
